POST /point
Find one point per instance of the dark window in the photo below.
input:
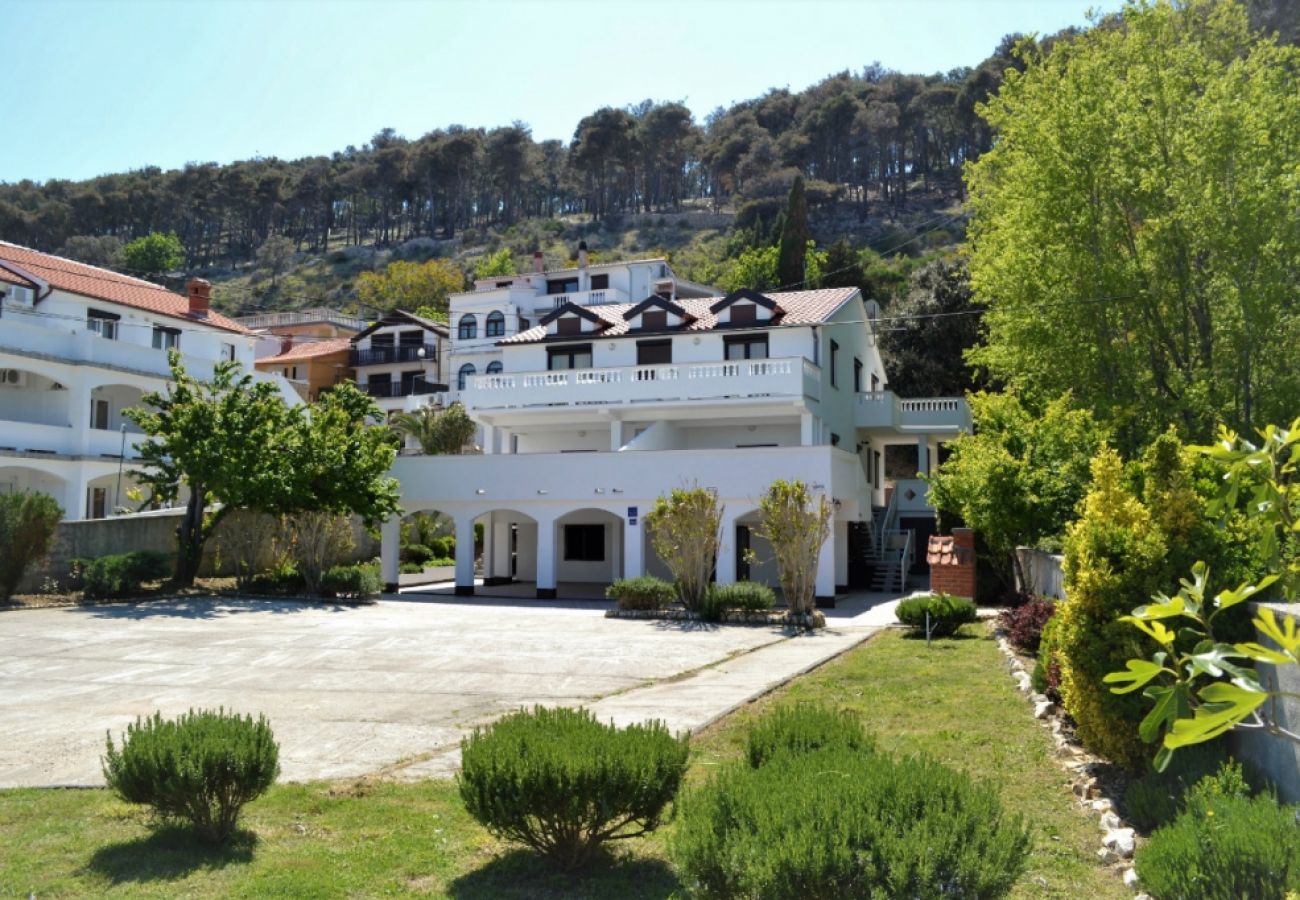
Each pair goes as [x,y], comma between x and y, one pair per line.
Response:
[166,338]
[857,375]
[467,330]
[572,356]
[875,383]
[835,359]
[599,282]
[381,341]
[568,325]
[584,543]
[496,325]
[654,320]
[654,353]
[409,380]
[525,324]
[744,314]
[748,347]
[99,414]
[835,439]
[493,368]
[876,459]
[103,324]
[412,339]
[504,283]
[561,286]
[465,374]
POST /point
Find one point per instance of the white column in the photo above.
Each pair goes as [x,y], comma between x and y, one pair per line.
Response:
[726,567]
[74,495]
[616,553]
[79,415]
[923,455]
[390,540]
[633,548]
[840,535]
[826,568]
[616,435]
[807,429]
[489,439]
[464,554]
[545,559]
[489,545]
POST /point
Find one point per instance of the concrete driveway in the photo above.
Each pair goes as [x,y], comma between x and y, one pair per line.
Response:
[357,690]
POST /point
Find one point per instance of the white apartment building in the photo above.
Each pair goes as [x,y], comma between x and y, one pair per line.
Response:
[78,344]
[592,410]
[400,361]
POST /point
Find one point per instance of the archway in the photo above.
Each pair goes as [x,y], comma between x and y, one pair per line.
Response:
[589,546]
[25,478]
[508,546]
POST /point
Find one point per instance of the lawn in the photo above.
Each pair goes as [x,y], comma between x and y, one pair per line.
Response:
[367,838]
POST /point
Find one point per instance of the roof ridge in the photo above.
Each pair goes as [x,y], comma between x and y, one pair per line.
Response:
[139,282]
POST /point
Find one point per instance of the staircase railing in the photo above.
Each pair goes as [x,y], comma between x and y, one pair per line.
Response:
[905,560]
[887,525]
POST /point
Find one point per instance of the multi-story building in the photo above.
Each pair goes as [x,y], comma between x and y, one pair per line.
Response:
[590,411]
[78,344]
[278,331]
[399,361]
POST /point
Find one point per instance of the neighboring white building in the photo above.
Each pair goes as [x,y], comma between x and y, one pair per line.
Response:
[400,361]
[78,344]
[591,411]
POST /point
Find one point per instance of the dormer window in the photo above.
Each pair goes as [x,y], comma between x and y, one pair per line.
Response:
[746,307]
[744,314]
[568,325]
[570,318]
[654,320]
[656,314]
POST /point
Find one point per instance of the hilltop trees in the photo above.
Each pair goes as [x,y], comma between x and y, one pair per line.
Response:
[1134,229]
[408,285]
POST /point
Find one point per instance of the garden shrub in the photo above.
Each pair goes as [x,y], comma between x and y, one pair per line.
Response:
[1224,847]
[28,520]
[123,574]
[444,548]
[840,823]
[416,553]
[562,783]
[1157,798]
[746,596]
[283,580]
[358,582]
[802,728]
[1024,624]
[1047,673]
[1114,562]
[201,767]
[642,592]
[947,613]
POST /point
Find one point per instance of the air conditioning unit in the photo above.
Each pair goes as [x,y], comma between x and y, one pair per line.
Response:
[13,377]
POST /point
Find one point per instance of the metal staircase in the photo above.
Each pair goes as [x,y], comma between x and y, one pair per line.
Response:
[887,551]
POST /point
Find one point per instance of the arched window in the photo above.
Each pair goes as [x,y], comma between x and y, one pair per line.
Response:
[466,373]
[493,368]
[496,324]
[468,328]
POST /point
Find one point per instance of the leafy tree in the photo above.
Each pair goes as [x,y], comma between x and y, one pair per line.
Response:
[154,254]
[219,440]
[937,312]
[28,520]
[276,255]
[796,527]
[795,237]
[685,530]
[501,262]
[1018,478]
[408,285]
[1134,230]
[437,431]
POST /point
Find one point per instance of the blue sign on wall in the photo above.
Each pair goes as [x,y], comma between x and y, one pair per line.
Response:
[631,515]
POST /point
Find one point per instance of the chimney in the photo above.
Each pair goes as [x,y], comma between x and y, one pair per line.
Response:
[664,289]
[200,297]
[539,262]
[582,254]
[286,343]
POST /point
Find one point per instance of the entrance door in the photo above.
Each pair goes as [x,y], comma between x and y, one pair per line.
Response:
[98,503]
[99,414]
[514,552]
[742,552]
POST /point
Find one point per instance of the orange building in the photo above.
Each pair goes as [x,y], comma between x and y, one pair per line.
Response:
[312,365]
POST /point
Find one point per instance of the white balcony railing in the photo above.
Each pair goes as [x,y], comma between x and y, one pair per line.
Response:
[600,297]
[64,440]
[793,377]
[884,409]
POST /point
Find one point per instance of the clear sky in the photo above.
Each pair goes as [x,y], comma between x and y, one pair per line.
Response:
[95,86]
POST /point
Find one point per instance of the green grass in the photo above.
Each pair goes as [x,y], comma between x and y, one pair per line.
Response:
[371,838]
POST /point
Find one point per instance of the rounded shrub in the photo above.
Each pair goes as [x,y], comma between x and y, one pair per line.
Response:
[357,582]
[840,823]
[562,783]
[200,768]
[802,728]
[642,592]
[123,574]
[947,613]
[1224,847]
[746,596]
[416,553]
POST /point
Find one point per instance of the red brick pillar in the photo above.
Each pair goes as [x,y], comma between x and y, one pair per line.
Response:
[952,563]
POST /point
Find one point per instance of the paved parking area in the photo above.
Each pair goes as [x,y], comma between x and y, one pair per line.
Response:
[356,690]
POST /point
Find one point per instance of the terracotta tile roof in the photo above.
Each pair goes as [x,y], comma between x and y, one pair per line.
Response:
[104,284]
[798,308]
[943,551]
[308,350]
[14,278]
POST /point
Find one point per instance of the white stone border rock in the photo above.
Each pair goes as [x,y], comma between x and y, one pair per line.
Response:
[1118,838]
[815,619]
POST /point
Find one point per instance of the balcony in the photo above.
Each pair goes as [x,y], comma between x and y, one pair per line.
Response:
[750,378]
[885,410]
[381,356]
[64,440]
[602,297]
[386,389]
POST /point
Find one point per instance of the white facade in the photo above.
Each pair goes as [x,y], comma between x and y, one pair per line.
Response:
[597,410]
[401,361]
[69,365]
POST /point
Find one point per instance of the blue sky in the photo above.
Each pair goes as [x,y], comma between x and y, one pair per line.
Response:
[95,86]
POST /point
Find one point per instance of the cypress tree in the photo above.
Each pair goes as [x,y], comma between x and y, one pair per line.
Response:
[794,237]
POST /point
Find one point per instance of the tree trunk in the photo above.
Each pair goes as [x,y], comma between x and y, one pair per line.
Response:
[190,538]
